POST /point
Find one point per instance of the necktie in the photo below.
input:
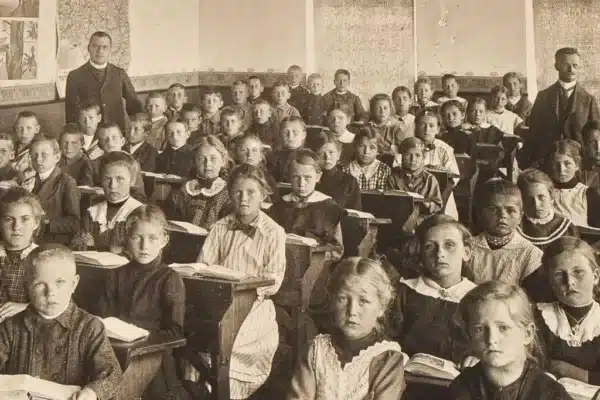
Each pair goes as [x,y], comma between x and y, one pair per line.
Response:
[363,182]
[248,230]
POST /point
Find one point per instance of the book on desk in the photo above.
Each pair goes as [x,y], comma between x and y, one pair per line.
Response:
[165,178]
[15,386]
[427,365]
[186,227]
[208,271]
[123,331]
[103,259]
[578,390]
[91,190]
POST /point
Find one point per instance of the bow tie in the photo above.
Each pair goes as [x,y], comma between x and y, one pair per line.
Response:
[429,147]
[248,230]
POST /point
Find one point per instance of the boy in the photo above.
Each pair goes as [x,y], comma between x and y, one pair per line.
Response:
[451,87]
[211,115]
[293,135]
[74,161]
[103,225]
[264,126]
[137,142]
[590,163]
[110,140]
[314,111]
[402,99]
[178,157]
[230,127]
[256,88]
[176,98]
[239,97]
[52,338]
[57,192]
[341,95]
[9,175]
[298,93]
[156,106]
[192,115]
[90,116]
[413,177]
[424,92]
[27,127]
[281,94]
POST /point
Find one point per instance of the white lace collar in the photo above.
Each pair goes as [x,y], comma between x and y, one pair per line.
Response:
[315,197]
[430,288]
[541,221]
[193,187]
[365,354]
[369,171]
[556,320]
[517,242]
[99,211]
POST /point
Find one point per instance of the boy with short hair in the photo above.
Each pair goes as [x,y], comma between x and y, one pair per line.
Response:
[292,137]
[111,140]
[451,88]
[212,101]
[402,99]
[298,93]
[156,106]
[264,126]
[192,115]
[239,97]
[230,127]
[314,110]
[137,142]
[256,88]
[90,116]
[178,157]
[341,95]
[281,107]
[57,192]
[9,175]
[423,91]
[52,338]
[26,127]
[74,161]
[176,98]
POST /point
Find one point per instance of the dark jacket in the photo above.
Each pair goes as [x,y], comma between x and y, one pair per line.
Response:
[83,87]
[80,169]
[146,155]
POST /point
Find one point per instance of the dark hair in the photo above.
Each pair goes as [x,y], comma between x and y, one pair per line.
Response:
[280,84]
[399,89]
[255,77]
[341,71]
[411,142]
[26,114]
[452,103]
[531,176]
[19,195]
[369,134]
[565,51]
[176,85]
[589,127]
[143,118]
[294,67]
[321,138]
[446,77]
[211,90]
[499,89]
[178,120]
[291,119]
[104,125]
[423,80]
[8,137]
[155,95]
[90,105]
[426,113]
[190,107]
[247,171]
[567,147]
[494,187]
[119,158]
[510,75]
[260,102]
[478,100]
[381,97]
[71,129]
[229,111]
[304,156]
[101,34]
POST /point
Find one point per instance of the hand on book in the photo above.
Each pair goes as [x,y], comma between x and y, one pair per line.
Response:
[84,394]
[10,308]
[468,362]
[562,369]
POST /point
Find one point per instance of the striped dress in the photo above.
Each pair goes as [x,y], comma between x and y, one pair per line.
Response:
[261,255]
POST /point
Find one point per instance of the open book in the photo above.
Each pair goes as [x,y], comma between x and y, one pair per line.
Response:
[297,239]
[99,259]
[169,178]
[17,385]
[98,191]
[359,214]
[121,330]
[186,227]
[578,390]
[392,192]
[422,364]
[209,271]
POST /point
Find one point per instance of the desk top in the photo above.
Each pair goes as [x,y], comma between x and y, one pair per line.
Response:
[157,342]
[427,380]
[252,282]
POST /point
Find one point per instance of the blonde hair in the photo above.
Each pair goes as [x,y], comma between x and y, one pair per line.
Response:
[517,303]
[147,213]
[247,171]
[565,244]
[19,195]
[48,252]
[368,270]
[213,141]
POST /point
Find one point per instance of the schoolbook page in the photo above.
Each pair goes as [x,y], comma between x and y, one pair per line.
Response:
[580,390]
[100,258]
[36,387]
[427,364]
[121,330]
[209,271]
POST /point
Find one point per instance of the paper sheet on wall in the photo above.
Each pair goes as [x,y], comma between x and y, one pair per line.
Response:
[77,20]
[27,42]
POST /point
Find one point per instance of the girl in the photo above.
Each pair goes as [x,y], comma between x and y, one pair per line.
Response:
[370,173]
[505,120]
[355,361]
[572,198]
[570,327]
[402,98]
[423,92]
[499,323]
[204,199]
[383,123]
[20,216]
[500,252]
[453,115]
[540,224]
[424,308]
[250,150]
[249,241]
[334,182]
[337,121]
[477,124]
[517,103]
[146,293]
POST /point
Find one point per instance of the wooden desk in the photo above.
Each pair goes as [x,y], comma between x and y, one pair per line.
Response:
[215,311]
[446,181]
[89,196]
[511,144]
[589,234]
[464,191]
[140,361]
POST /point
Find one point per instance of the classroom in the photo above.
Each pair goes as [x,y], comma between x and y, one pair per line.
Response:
[299,199]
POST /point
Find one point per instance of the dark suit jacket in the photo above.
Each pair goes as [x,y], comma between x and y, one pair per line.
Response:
[81,170]
[145,155]
[177,162]
[82,87]
[59,197]
[546,128]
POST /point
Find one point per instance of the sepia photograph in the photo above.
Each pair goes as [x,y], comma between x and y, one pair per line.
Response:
[299,200]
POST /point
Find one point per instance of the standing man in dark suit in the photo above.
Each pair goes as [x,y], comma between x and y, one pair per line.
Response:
[101,82]
[560,111]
